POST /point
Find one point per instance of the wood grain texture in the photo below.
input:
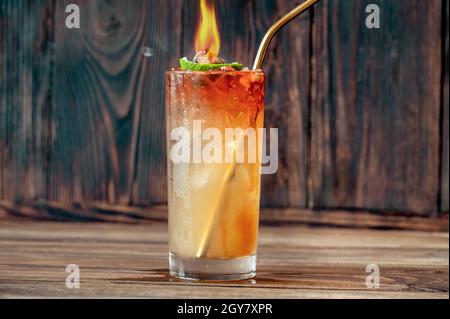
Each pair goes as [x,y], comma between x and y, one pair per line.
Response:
[108,113]
[128,261]
[163,36]
[26,29]
[287,108]
[445,116]
[101,212]
[375,107]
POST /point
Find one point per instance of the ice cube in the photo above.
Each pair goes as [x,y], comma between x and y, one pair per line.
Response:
[201,175]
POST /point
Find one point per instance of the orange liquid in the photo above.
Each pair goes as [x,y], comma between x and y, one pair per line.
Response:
[217,201]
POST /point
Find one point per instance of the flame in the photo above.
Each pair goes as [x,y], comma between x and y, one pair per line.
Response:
[207,36]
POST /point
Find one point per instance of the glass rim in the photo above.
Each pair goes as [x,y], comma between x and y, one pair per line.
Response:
[214,72]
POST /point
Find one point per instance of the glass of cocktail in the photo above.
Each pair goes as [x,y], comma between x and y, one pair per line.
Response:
[214,195]
[214,189]
[214,120]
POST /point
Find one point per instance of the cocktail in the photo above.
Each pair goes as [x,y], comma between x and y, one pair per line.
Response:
[214,202]
[214,187]
[214,120]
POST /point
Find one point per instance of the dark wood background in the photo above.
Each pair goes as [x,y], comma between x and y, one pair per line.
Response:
[362,113]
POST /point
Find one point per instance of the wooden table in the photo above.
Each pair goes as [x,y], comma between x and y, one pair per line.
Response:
[123,260]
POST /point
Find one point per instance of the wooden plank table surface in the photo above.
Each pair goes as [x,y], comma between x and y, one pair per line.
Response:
[127,261]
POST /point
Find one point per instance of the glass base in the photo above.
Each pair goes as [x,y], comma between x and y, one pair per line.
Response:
[191,268]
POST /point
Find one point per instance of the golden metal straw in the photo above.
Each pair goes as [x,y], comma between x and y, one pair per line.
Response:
[211,224]
[274,29]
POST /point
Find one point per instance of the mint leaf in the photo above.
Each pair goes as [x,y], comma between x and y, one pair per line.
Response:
[187,65]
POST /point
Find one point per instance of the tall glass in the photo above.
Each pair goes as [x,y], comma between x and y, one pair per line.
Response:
[214,205]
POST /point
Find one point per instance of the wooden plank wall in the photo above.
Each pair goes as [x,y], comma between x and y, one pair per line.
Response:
[109,105]
[26,57]
[445,116]
[362,113]
[375,107]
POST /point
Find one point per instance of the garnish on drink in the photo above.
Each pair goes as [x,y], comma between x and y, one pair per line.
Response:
[206,65]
